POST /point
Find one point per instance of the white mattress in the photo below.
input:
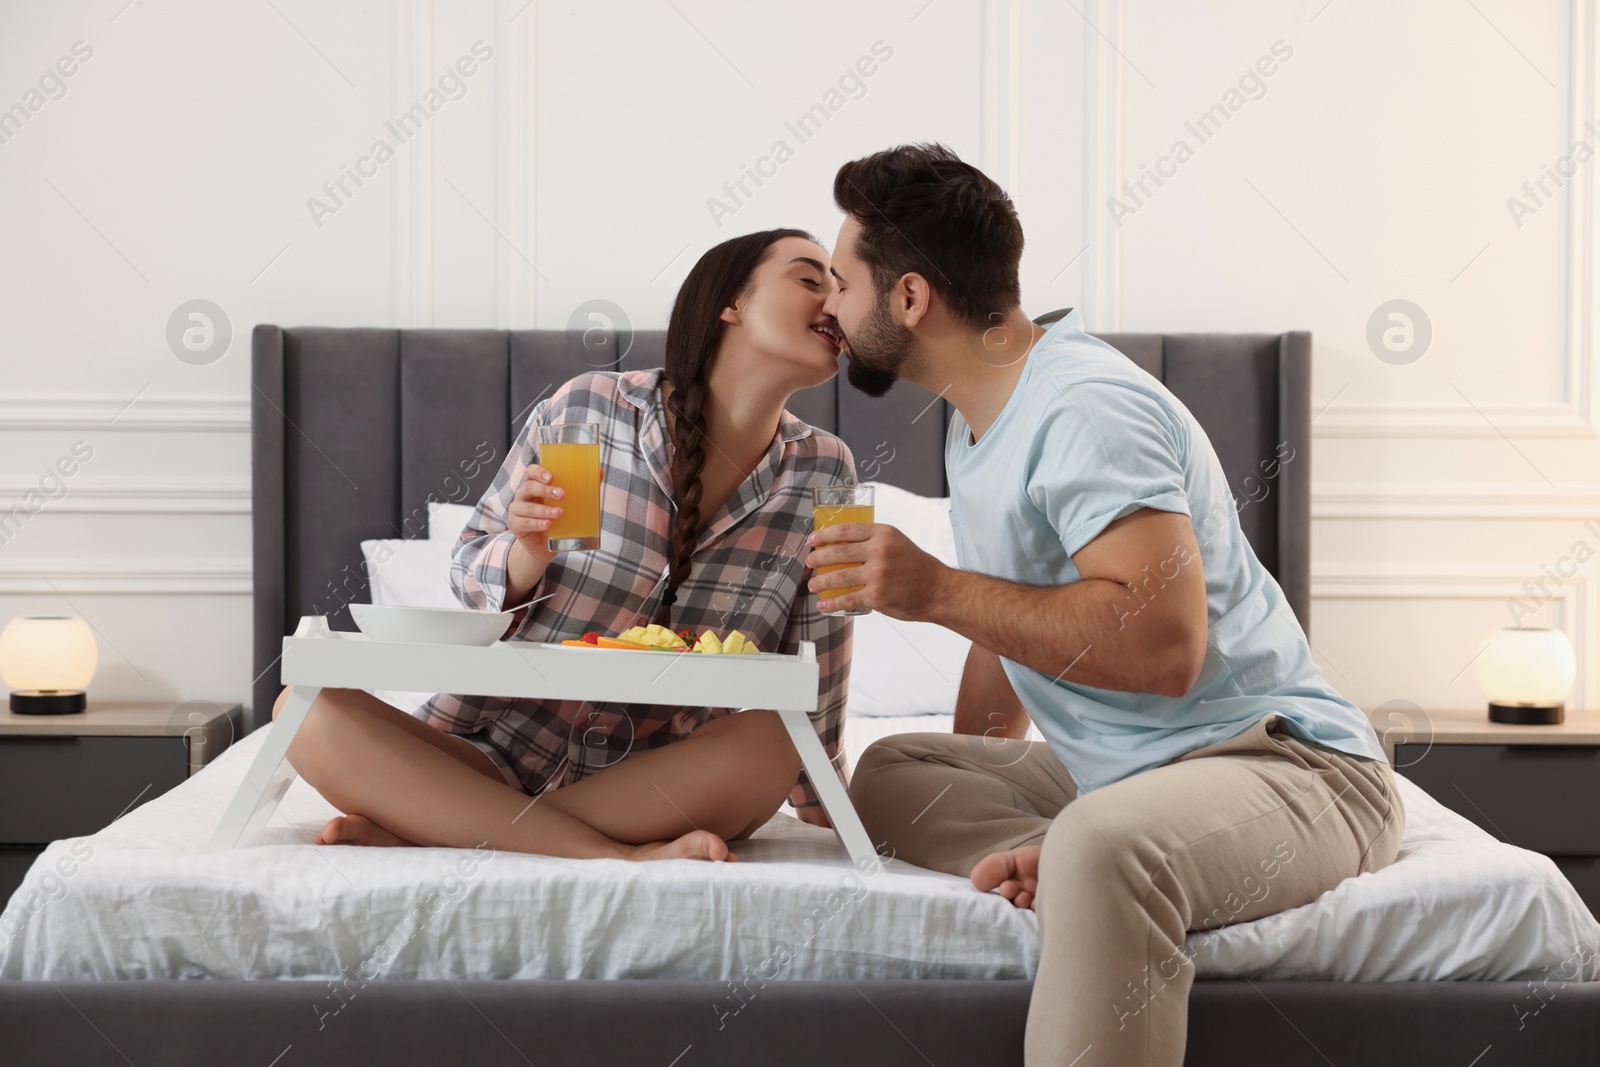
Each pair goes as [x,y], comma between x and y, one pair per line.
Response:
[142,901]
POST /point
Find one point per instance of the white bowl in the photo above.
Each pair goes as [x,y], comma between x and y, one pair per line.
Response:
[430,626]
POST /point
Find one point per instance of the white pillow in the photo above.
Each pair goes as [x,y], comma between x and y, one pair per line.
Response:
[445,521]
[908,668]
[414,573]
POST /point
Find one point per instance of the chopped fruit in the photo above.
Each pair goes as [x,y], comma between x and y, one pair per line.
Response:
[660,639]
[735,644]
[617,642]
[653,636]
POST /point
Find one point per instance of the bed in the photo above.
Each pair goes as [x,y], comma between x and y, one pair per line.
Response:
[1465,951]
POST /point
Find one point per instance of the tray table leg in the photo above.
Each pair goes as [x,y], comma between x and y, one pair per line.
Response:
[835,801]
[269,776]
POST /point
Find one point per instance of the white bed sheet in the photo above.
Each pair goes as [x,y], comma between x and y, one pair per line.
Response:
[142,901]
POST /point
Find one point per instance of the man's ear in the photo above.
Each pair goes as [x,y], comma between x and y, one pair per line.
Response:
[913,297]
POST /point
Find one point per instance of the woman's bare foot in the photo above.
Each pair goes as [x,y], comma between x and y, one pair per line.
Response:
[359,830]
[694,845]
[1015,873]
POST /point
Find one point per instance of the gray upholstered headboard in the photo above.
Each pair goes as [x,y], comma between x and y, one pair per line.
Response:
[355,430]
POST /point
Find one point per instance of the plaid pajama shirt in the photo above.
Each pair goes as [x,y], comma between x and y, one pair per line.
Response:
[747,574]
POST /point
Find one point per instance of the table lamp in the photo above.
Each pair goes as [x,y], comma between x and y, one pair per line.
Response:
[1526,673]
[47,660]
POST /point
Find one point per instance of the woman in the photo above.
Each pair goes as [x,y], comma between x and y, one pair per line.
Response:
[706,502]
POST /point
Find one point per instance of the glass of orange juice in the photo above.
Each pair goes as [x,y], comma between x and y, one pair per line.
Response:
[570,451]
[831,505]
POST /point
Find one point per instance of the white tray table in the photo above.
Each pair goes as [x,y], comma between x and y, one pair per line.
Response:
[316,657]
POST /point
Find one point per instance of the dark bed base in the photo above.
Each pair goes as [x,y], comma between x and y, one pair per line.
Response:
[841,1024]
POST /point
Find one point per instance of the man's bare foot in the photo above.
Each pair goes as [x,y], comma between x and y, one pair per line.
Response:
[694,845]
[359,830]
[1015,873]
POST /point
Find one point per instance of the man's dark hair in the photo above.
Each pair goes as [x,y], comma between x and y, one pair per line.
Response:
[923,210]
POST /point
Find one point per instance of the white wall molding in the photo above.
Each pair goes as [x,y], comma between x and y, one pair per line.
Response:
[122,496]
[177,414]
[1582,109]
[516,109]
[1454,500]
[1450,423]
[1451,581]
[527,114]
[1103,71]
[414,178]
[1000,126]
[1577,415]
[124,577]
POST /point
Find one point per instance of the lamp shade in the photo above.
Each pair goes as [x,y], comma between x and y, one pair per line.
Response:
[47,652]
[1528,667]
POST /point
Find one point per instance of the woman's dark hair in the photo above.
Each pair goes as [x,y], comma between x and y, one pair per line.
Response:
[924,211]
[694,331]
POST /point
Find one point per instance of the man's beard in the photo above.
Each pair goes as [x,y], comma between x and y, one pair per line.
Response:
[878,351]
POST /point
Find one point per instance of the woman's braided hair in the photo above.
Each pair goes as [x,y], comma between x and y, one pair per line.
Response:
[694,333]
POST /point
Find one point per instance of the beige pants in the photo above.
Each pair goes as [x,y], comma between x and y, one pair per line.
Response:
[1230,832]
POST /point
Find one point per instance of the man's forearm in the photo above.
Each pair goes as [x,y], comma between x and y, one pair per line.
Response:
[1073,632]
[985,702]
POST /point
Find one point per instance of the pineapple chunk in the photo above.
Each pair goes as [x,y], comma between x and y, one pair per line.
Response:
[735,644]
[655,635]
[665,638]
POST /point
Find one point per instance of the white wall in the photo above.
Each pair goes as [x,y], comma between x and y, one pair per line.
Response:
[576,162]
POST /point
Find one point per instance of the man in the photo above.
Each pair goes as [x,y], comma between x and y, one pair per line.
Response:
[1196,770]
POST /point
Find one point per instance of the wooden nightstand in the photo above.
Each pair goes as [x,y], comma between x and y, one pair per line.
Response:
[1537,787]
[70,775]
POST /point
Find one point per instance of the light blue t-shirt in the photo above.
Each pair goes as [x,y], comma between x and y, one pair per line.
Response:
[1086,438]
